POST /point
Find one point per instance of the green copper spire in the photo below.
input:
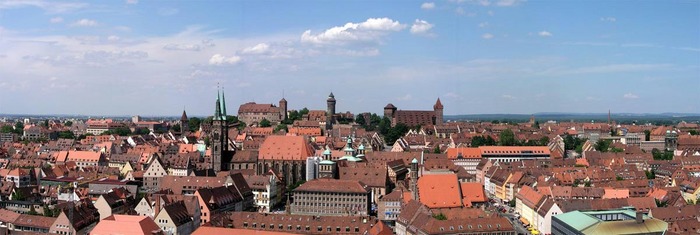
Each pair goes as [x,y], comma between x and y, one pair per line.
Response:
[217,110]
[223,104]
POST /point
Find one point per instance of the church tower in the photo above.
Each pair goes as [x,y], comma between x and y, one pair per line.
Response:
[330,113]
[184,124]
[219,135]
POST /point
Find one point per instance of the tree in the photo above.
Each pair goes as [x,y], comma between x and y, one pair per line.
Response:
[17,196]
[602,145]
[507,138]
[281,127]
[6,129]
[650,175]
[19,128]
[32,211]
[395,133]
[265,123]
[544,141]
[304,111]
[384,126]
[647,135]
[437,149]
[176,128]
[619,178]
[537,125]
[66,135]
[360,119]
[693,132]
[440,216]
[194,123]
[142,131]
[68,123]
[659,155]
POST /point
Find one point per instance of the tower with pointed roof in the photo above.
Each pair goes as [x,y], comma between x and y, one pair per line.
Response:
[330,113]
[184,124]
[218,138]
[437,108]
[283,109]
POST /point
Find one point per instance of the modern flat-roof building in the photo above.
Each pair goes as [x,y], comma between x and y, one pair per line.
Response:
[622,221]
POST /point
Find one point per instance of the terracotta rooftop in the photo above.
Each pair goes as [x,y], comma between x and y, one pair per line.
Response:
[126,224]
[294,148]
[439,191]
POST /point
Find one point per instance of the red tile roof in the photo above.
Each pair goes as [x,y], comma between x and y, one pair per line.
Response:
[472,192]
[469,153]
[125,224]
[439,191]
[285,148]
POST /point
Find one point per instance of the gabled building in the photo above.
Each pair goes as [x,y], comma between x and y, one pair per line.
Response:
[153,175]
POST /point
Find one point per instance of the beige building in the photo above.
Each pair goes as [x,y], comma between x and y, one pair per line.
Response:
[252,113]
[331,197]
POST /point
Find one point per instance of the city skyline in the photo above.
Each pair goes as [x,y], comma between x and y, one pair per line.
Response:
[479,57]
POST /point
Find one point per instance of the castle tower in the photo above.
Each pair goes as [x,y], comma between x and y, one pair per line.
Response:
[389,111]
[184,124]
[283,109]
[219,136]
[438,108]
[330,112]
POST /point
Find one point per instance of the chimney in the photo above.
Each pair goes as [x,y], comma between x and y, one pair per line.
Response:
[639,217]
[156,208]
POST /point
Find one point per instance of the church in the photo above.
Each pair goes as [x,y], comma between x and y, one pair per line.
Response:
[221,152]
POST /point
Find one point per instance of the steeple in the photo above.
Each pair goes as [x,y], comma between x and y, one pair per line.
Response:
[217,110]
[184,116]
[438,105]
[223,104]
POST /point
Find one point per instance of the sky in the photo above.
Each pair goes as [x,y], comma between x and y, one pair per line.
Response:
[138,57]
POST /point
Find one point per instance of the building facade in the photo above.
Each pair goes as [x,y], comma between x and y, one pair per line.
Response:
[330,197]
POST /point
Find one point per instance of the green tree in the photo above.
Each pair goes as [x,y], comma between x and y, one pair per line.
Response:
[142,131]
[281,127]
[650,175]
[602,145]
[6,129]
[395,133]
[360,119]
[440,216]
[303,112]
[293,116]
[18,196]
[437,149]
[507,138]
[265,123]
[384,126]
[68,123]
[537,125]
[193,123]
[544,141]
[619,178]
[176,128]
[693,132]
[647,135]
[19,128]
[66,135]
[32,211]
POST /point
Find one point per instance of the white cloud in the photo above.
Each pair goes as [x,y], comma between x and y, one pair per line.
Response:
[487,36]
[427,5]
[508,3]
[483,24]
[405,97]
[113,38]
[219,59]
[56,20]
[52,7]
[630,96]
[459,10]
[508,97]
[132,1]
[608,19]
[371,30]
[453,95]
[123,28]
[85,23]
[544,34]
[421,27]
[257,49]
[167,11]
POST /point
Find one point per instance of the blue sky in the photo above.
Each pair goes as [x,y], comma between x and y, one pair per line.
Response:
[490,56]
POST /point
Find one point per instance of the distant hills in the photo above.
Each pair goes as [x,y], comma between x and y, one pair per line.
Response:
[581,117]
